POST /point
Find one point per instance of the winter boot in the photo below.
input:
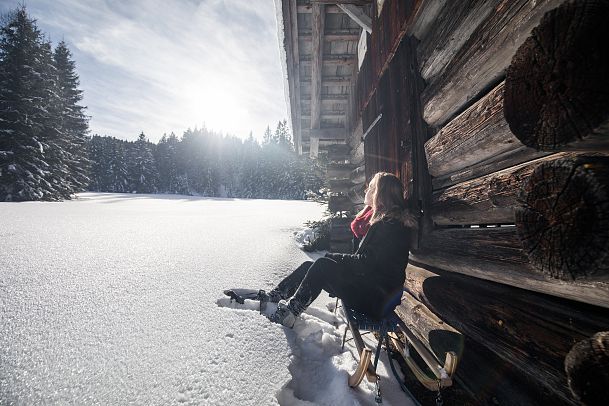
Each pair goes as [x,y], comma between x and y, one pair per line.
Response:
[273,296]
[284,315]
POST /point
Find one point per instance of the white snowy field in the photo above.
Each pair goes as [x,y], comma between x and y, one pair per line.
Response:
[117,299]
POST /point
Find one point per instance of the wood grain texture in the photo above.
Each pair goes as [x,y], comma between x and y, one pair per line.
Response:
[453,25]
[531,331]
[490,199]
[557,86]
[496,254]
[477,134]
[483,58]
[564,218]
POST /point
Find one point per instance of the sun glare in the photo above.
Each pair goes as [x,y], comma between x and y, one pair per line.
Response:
[218,106]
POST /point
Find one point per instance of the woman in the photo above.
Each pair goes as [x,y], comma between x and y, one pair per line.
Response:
[369,281]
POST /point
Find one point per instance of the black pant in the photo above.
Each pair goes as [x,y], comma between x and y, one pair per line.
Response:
[305,283]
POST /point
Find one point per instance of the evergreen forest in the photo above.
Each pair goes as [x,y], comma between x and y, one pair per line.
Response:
[46,152]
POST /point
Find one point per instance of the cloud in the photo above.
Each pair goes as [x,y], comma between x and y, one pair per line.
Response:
[162,66]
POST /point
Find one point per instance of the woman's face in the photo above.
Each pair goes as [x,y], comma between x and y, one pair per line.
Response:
[369,193]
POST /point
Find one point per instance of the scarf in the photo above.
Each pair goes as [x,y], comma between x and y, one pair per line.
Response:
[361,223]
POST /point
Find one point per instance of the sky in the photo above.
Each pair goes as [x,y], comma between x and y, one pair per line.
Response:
[162,66]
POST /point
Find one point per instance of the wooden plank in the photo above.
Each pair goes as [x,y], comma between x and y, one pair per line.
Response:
[297,126]
[307,115]
[336,98]
[356,2]
[454,24]
[313,147]
[317,57]
[498,316]
[329,133]
[496,254]
[477,134]
[483,58]
[331,60]
[330,80]
[330,8]
[332,35]
[357,15]
[339,171]
[424,18]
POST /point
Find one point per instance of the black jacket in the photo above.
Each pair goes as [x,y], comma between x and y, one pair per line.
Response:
[381,258]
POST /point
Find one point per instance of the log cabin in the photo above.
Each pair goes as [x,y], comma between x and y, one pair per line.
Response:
[495,115]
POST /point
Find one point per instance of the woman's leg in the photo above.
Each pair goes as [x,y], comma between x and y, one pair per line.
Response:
[325,274]
[288,286]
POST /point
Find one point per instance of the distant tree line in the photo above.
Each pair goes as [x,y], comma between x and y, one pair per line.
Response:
[205,163]
[46,153]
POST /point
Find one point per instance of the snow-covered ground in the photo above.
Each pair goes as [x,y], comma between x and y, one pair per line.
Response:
[117,299]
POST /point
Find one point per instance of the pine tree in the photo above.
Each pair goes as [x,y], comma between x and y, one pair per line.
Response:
[26,124]
[73,124]
[143,173]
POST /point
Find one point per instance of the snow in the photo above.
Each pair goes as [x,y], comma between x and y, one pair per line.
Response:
[117,298]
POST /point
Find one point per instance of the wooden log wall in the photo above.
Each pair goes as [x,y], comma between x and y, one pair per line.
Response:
[533,332]
[515,218]
[482,171]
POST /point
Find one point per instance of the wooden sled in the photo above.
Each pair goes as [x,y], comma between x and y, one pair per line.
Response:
[441,373]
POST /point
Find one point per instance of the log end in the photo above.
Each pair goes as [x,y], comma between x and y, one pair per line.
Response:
[587,368]
[557,86]
[563,220]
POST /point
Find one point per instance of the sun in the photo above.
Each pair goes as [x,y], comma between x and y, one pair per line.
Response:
[218,105]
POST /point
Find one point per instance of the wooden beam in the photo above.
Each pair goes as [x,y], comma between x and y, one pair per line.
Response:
[490,199]
[332,35]
[453,25]
[313,147]
[479,133]
[306,116]
[336,98]
[496,254]
[330,80]
[329,133]
[317,58]
[357,15]
[330,9]
[330,59]
[296,75]
[482,59]
[356,2]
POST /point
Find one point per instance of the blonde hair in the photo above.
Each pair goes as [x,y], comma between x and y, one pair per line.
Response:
[388,200]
